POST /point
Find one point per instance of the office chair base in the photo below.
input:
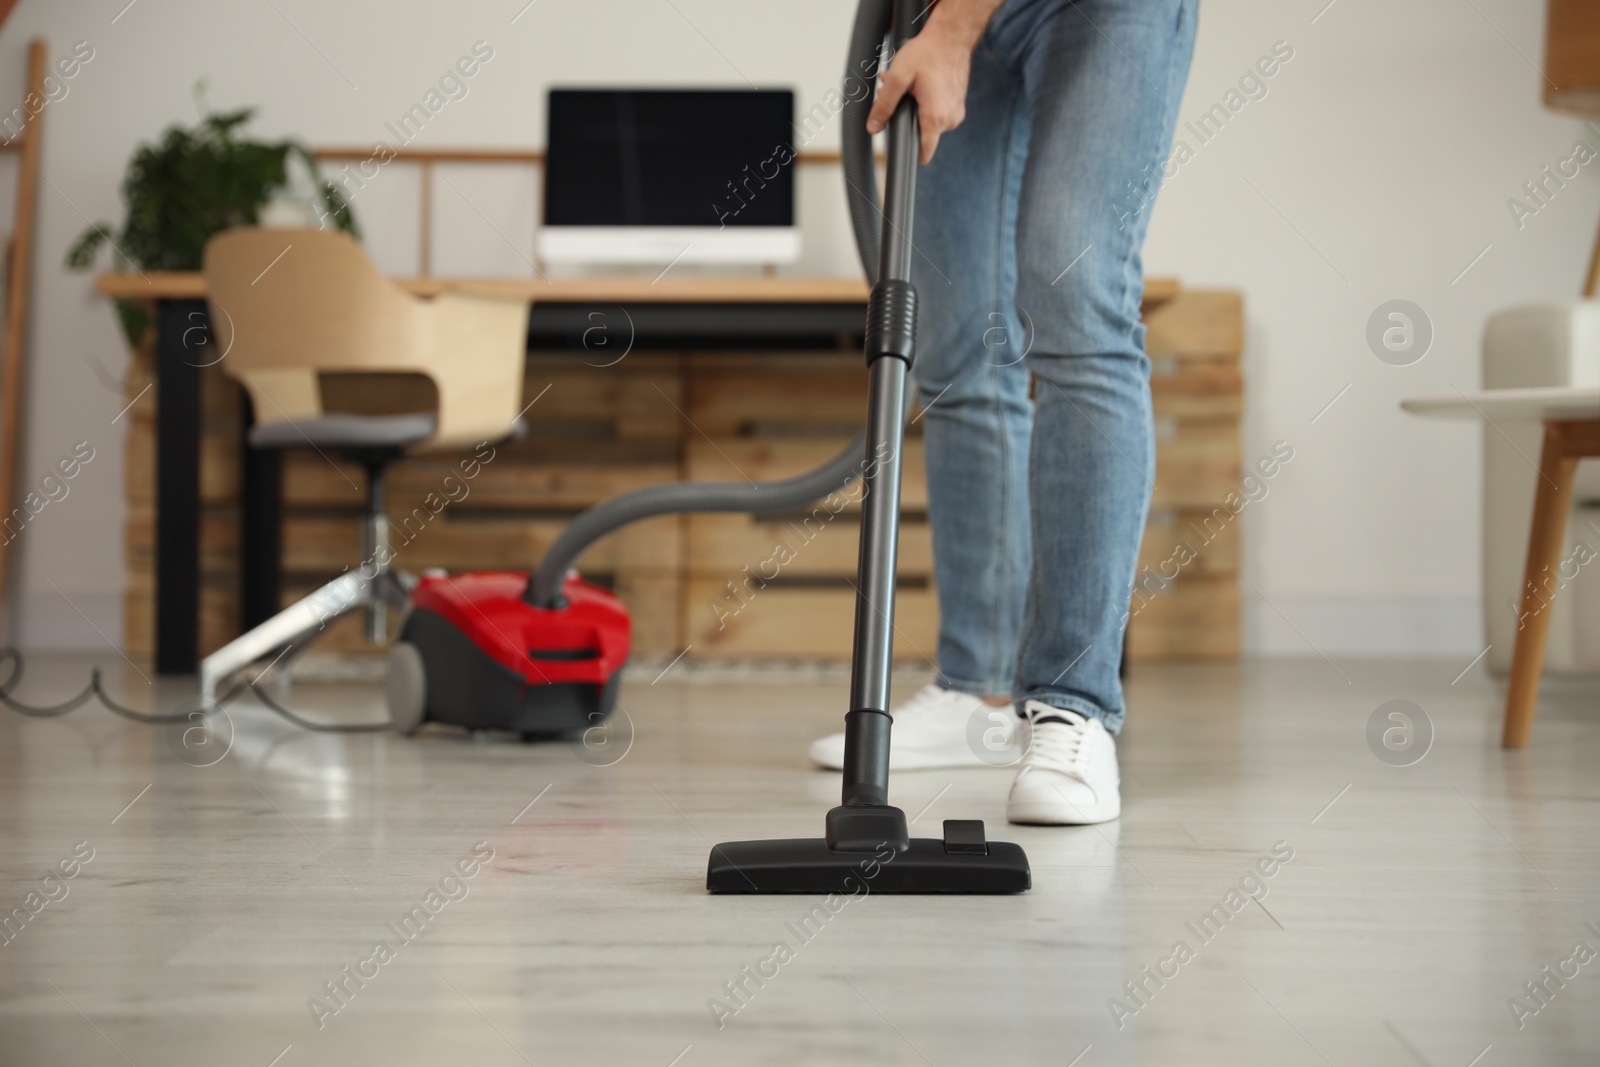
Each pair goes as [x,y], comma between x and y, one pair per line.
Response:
[290,630]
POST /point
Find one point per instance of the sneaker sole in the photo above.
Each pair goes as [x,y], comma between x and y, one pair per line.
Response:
[1058,814]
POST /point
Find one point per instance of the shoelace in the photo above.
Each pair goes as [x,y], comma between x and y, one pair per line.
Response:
[1058,746]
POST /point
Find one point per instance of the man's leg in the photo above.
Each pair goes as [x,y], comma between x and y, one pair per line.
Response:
[1104,80]
[972,382]
[973,387]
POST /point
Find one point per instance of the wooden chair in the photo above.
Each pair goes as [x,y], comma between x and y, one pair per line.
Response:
[1566,441]
[1571,418]
[290,305]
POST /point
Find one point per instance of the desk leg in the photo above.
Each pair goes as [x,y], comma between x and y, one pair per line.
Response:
[180,327]
[260,532]
[1551,503]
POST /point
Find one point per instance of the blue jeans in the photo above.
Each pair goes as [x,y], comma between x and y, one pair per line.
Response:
[1028,230]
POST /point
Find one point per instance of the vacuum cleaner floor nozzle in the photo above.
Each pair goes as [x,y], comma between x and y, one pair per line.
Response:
[961,863]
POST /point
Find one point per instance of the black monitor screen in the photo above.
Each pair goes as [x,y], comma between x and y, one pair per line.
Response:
[669,157]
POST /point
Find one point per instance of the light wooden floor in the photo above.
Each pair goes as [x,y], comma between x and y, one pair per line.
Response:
[219,899]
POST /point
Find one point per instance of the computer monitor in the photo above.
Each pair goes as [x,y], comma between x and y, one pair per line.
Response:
[648,176]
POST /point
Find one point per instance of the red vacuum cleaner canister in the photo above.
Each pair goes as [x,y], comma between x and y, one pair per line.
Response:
[473,652]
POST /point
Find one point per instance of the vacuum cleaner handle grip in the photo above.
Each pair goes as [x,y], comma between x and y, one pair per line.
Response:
[901,160]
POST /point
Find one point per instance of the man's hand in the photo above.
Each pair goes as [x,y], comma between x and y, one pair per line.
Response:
[933,67]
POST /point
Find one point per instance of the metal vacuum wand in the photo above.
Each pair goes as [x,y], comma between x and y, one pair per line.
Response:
[890,345]
[866,846]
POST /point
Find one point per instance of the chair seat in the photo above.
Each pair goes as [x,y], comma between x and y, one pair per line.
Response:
[346,431]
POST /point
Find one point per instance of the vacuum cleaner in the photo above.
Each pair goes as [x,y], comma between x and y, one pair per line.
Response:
[541,654]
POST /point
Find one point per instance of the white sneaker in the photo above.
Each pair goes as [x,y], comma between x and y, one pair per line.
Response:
[930,730]
[1069,770]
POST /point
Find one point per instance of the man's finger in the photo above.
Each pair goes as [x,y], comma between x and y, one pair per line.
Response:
[888,99]
[930,136]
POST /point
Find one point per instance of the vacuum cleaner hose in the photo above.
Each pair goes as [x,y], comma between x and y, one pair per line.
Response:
[681,497]
[861,192]
[855,143]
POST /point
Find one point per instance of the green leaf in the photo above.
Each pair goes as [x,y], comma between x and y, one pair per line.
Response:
[193,182]
[81,254]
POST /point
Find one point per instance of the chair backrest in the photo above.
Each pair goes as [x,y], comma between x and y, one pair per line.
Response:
[290,304]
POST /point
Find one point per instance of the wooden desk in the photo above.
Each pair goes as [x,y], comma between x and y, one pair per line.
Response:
[187,285]
[183,334]
[784,310]
[1571,418]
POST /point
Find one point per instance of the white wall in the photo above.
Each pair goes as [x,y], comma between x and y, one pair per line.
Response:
[1382,160]
[1377,167]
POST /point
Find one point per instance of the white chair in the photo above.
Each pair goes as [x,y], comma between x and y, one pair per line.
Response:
[290,305]
[1541,345]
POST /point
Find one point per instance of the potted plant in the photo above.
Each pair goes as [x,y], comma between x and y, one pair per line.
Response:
[191,184]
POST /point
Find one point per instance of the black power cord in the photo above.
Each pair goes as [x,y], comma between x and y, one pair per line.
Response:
[307,724]
[12,658]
